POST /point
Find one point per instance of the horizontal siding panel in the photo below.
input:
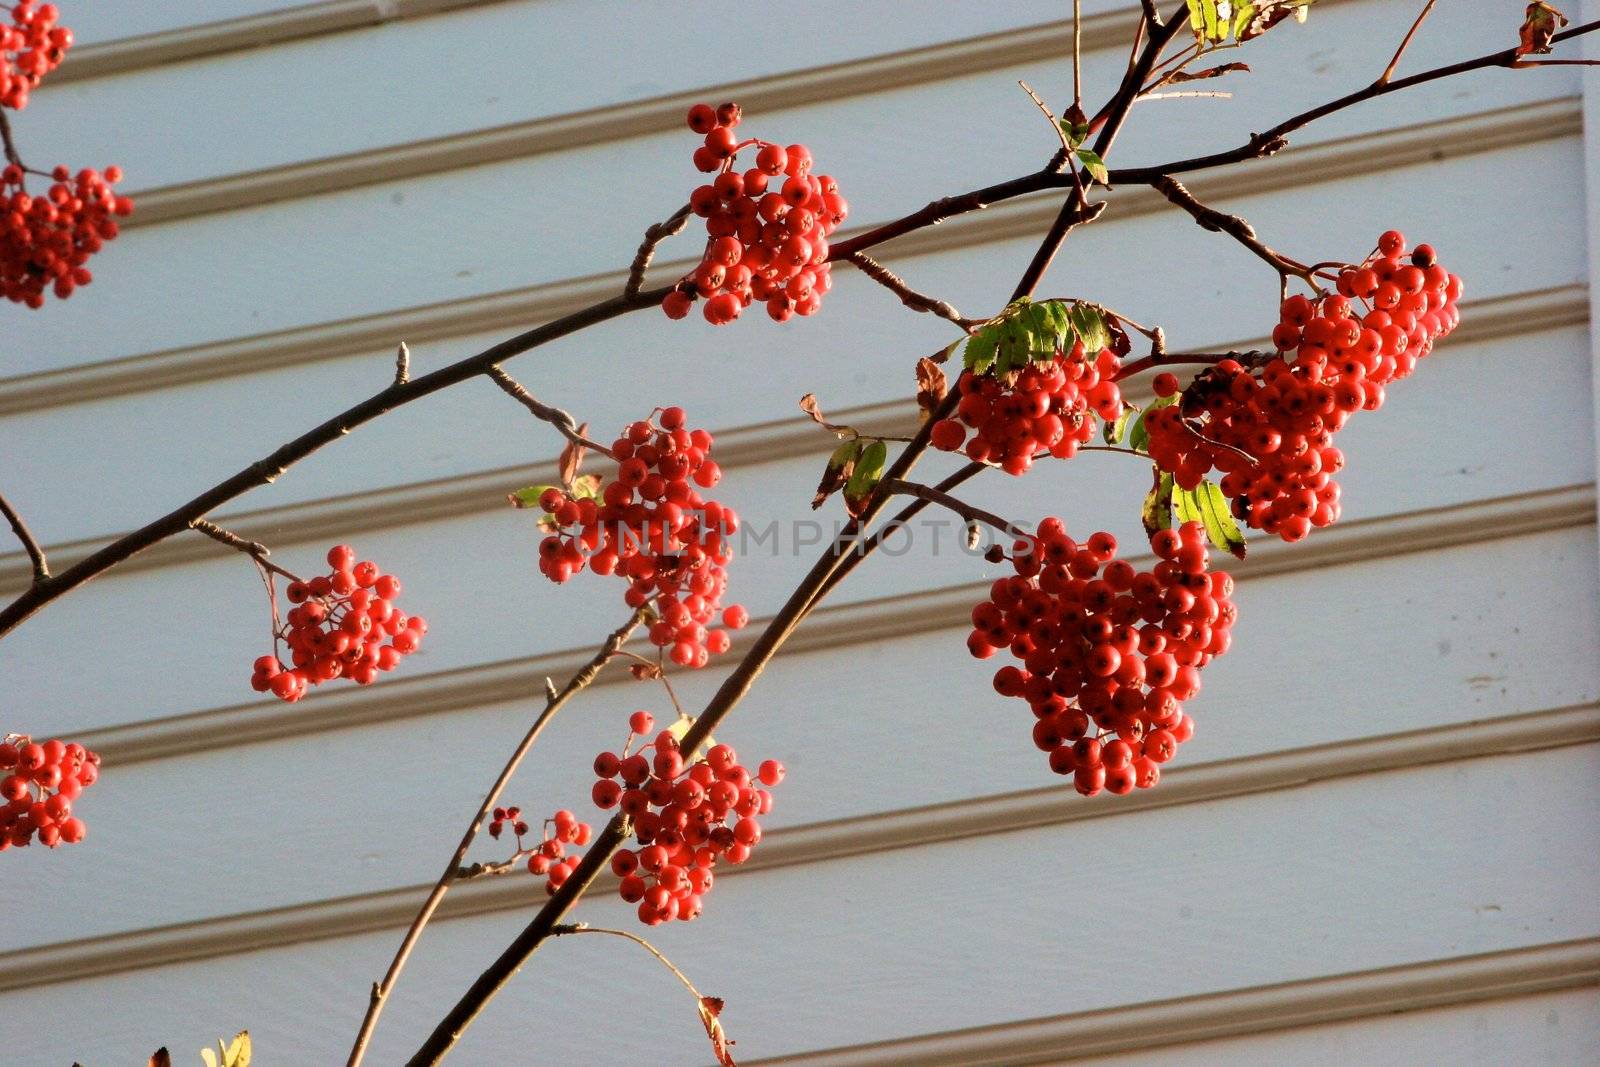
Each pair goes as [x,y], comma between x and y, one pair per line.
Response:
[386,79]
[1204,899]
[1553,1029]
[126,448]
[444,237]
[1472,625]
[100,23]
[466,564]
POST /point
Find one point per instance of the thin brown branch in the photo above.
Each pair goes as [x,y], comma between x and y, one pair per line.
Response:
[1163,358]
[934,495]
[1388,72]
[584,928]
[564,423]
[1077,55]
[9,143]
[908,296]
[1276,138]
[553,704]
[41,566]
[254,549]
[271,467]
[402,364]
[1066,153]
[777,631]
[672,226]
[1232,225]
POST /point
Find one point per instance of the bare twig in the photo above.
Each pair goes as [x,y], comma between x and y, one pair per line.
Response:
[908,296]
[553,703]
[673,225]
[10,145]
[1077,55]
[1232,225]
[402,364]
[254,549]
[777,631]
[1066,154]
[556,417]
[1274,139]
[41,566]
[1388,72]
[1163,358]
[1187,94]
[901,487]
[584,928]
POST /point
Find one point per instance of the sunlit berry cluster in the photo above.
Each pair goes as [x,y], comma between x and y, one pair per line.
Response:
[46,240]
[548,859]
[650,526]
[1108,652]
[39,785]
[686,817]
[1270,430]
[32,44]
[767,227]
[344,625]
[1046,408]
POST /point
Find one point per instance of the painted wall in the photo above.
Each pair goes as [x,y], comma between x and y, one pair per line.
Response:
[1381,845]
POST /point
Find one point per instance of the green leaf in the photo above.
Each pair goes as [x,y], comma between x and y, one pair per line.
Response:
[1112,432]
[868,469]
[1089,323]
[1139,434]
[979,354]
[586,487]
[1094,165]
[1206,505]
[1077,132]
[1157,511]
[1242,17]
[840,466]
[529,497]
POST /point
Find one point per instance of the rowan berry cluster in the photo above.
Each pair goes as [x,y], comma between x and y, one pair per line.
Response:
[767,227]
[30,47]
[1045,408]
[344,625]
[40,783]
[1109,653]
[650,526]
[46,240]
[1270,431]
[549,859]
[686,816]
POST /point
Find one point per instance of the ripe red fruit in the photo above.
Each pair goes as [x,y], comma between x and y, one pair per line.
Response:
[764,243]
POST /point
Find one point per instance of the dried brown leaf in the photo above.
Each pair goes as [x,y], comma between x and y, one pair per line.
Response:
[710,1008]
[931,386]
[1539,24]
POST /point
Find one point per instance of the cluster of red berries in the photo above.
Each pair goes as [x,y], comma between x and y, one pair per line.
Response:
[651,526]
[337,629]
[766,240]
[1045,408]
[1270,431]
[685,816]
[30,47]
[1108,652]
[549,859]
[40,784]
[46,240]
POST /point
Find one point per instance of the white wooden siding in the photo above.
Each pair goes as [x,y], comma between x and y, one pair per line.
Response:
[1390,805]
